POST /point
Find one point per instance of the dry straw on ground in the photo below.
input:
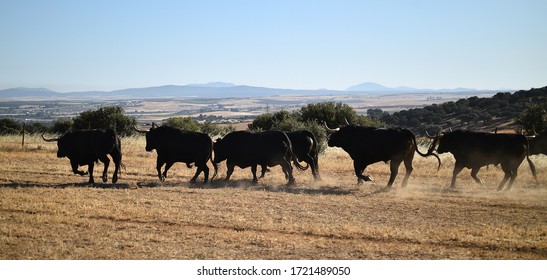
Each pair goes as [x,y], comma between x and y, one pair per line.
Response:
[48,213]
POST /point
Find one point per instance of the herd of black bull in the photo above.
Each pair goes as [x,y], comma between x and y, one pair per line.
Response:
[365,145]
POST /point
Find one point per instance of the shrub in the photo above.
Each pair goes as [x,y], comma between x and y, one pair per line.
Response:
[106,118]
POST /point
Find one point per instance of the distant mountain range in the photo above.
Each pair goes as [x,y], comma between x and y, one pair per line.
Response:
[378,88]
[213,90]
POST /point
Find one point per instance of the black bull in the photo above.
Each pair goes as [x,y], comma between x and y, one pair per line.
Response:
[368,145]
[304,146]
[175,145]
[476,149]
[85,147]
[247,149]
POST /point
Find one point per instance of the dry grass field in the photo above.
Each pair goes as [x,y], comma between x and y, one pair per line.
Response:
[46,212]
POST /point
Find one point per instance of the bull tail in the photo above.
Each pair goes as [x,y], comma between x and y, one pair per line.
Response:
[315,150]
[297,164]
[215,165]
[429,153]
[532,167]
[530,163]
[294,159]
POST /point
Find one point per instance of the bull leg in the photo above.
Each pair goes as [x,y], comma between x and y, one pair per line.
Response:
[106,162]
[359,169]
[309,160]
[513,177]
[315,171]
[205,170]
[75,169]
[409,168]
[230,170]
[90,169]
[457,169]
[168,166]
[253,170]
[511,171]
[198,171]
[508,174]
[117,158]
[474,172]
[263,170]
[159,164]
[394,168]
[287,169]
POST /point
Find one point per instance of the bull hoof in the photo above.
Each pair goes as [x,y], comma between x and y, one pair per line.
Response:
[162,178]
[369,178]
[114,179]
[105,179]
[193,182]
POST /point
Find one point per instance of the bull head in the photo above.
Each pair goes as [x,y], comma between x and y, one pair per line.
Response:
[435,141]
[49,140]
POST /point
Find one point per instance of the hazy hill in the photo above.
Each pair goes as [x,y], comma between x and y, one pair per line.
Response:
[209,90]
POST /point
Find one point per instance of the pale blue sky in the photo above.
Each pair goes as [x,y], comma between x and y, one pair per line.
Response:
[108,45]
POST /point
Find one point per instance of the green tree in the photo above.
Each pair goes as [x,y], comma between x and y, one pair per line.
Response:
[335,115]
[35,127]
[106,118]
[10,126]
[61,126]
[533,118]
[184,123]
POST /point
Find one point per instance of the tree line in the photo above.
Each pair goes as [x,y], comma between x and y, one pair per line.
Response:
[526,108]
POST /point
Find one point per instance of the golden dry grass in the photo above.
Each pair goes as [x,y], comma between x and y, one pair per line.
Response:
[46,212]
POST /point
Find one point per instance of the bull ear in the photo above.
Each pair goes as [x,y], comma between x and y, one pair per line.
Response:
[49,140]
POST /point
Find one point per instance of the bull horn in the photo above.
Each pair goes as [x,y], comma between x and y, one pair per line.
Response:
[330,130]
[154,125]
[49,140]
[140,130]
[347,123]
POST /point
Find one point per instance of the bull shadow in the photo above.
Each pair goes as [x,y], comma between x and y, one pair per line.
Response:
[158,184]
[66,185]
[296,189]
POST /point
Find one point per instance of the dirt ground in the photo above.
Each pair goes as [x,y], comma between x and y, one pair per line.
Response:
[46,212]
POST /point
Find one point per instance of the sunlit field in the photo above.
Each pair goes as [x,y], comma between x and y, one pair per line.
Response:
[46,212]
